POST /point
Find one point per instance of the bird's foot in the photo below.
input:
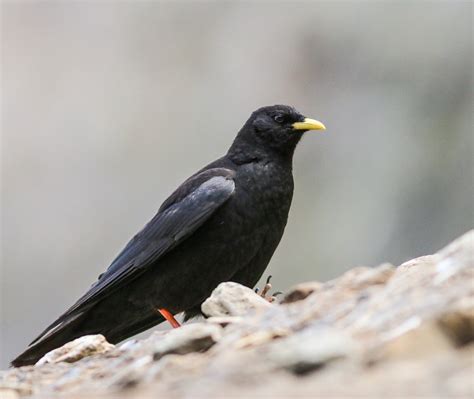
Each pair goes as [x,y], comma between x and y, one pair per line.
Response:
[169,317]
[266,289]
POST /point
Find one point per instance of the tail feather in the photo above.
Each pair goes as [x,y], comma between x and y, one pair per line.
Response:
[82,324]
[135,328]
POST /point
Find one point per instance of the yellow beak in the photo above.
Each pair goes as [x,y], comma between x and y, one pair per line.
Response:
[309,124]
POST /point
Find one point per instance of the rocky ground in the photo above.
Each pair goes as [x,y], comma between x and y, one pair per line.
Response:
[388,331]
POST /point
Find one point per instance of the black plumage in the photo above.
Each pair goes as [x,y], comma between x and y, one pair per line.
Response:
[222,224]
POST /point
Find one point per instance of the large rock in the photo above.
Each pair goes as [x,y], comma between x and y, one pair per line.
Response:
[372,332]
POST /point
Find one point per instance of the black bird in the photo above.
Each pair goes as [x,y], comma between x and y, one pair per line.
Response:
[222,224]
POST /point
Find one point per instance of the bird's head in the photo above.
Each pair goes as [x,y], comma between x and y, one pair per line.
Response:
[275,129]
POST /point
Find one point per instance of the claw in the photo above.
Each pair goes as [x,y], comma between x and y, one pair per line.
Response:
[266,289]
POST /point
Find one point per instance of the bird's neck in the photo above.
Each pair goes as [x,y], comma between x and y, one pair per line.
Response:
[246,148]
[245,154]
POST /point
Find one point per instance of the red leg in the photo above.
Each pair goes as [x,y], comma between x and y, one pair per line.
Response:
[168,316]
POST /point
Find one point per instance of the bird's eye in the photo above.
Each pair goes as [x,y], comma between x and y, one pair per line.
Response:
[279,118]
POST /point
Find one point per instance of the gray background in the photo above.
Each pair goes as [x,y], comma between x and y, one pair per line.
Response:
[108,106]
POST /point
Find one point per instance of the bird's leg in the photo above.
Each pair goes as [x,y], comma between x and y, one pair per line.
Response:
[266,289]
[169,317]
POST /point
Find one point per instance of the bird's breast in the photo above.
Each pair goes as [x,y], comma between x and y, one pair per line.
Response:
[264,192]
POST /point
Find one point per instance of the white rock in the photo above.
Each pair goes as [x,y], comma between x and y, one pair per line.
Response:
[456,256]
[75,350]
[232,299]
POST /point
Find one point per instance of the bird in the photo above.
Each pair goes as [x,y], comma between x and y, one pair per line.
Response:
[222,224]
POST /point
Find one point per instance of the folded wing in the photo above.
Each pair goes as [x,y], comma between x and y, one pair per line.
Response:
[179,217]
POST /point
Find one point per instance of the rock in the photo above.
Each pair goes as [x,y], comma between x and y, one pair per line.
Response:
[459,325]
[360,278]
[224,321]
[7,393]
[311,349]
[415,339]
[232,299]
[455,257]
[301,291]
[189,338]
[75,350]
[372,332]
[259,338]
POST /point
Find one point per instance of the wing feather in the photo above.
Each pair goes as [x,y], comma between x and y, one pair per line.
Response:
[187,209]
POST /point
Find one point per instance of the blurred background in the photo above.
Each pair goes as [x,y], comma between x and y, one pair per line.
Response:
[108,106]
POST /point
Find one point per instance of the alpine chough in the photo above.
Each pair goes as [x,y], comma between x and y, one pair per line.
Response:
[221,224]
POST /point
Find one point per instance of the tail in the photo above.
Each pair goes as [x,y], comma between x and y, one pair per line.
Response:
[56,335]
[62,331]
